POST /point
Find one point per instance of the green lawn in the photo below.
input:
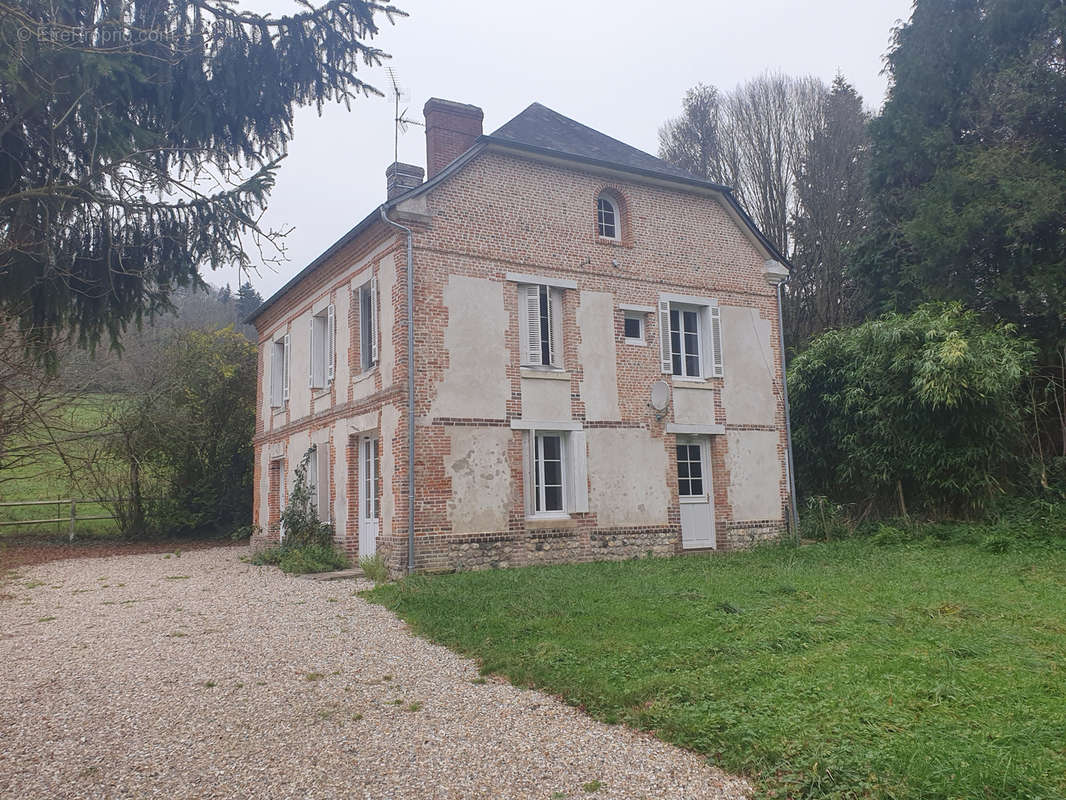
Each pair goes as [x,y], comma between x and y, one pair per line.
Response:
[842,670]
[48,479]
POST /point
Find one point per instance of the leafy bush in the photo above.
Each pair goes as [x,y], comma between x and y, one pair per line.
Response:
[374,567]
[300,519]
[302,559]
[920,411]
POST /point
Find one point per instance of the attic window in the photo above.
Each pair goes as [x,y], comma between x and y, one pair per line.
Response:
[607,220]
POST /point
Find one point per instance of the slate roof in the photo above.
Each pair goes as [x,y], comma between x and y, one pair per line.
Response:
[540,127]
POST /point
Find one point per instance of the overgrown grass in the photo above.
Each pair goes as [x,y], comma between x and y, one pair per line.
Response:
[925,669]
[302,559]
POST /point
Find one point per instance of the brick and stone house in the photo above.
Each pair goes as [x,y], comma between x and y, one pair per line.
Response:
[594,368]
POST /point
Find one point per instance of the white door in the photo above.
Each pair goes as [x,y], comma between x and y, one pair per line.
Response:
[369,494]
[695,492]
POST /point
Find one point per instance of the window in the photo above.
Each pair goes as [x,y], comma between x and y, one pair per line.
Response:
[318,480]
[556,472]
[279,371]
[371,478]
[368,324]
[540,323]
[633,323]
[323,347]
[690,338]
[689,470]
[548,473]
[608,225]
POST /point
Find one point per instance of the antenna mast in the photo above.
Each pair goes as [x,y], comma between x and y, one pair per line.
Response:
[400,119]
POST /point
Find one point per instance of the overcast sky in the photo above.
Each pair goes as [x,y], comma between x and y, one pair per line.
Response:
[621,67]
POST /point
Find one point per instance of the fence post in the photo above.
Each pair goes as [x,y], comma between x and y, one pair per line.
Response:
[73,517]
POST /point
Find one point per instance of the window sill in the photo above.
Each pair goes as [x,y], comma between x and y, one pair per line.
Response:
[275,410]
[691,383]
[550,523]
[637,342]
[365,374]
[545,373]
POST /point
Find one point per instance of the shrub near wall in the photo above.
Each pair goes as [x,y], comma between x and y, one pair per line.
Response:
[921,411]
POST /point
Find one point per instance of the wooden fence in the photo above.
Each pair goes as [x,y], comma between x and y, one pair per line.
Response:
[73,517]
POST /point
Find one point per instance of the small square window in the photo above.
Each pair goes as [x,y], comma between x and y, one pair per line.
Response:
[634,326]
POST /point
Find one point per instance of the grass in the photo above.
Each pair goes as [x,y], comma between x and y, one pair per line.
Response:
[48,478]
[924,669]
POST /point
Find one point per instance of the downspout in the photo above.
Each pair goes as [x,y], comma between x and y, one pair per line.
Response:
[788,416]
[411,391]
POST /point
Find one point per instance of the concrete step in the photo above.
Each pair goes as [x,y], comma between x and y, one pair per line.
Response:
[339,575]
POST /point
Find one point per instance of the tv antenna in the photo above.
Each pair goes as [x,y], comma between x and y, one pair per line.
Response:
[401,121]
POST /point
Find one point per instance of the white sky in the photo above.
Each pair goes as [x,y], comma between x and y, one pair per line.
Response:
[621,67]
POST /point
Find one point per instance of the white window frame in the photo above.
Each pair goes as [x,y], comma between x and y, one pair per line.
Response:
[371,477]
[323,349]
[642,321]
[574,466]
[703,447]
[367,296]
[604,197]
[533,300]
[279,371]
[708,337]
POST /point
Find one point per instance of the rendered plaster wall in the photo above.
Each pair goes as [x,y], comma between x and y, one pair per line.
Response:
[339,455]
[693,406]
[748,392]
[480,479]
[627,467]
[599,384]
[545,399]
[473,385]
[754,463]
[299,358]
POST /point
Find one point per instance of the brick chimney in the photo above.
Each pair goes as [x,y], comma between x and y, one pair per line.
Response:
[451,129]
[401,177]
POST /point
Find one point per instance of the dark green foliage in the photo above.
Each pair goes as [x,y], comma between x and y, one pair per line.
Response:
[968,173]
[928,669]
[919,412]
[302,559]
[115,117]
[203,433]
[248,300]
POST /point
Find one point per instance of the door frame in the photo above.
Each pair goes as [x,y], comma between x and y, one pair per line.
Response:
[368,499]
[703,441]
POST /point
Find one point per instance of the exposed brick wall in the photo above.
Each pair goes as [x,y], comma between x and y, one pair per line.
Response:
[498,214]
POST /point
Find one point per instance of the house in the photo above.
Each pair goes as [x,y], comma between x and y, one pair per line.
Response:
[596,359]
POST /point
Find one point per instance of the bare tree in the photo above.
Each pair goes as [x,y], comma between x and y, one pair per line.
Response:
[751,139]
[830,214]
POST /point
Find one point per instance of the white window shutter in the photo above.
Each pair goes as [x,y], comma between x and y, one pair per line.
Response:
[311,360]
[579,480]
[374,320]
[555,326]
[322,456]
[717,367]
[530,310]
[664,337]
[285,371]
[331,342]
[275,376]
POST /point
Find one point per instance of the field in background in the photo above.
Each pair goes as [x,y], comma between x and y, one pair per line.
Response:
[49,479]
[929,669]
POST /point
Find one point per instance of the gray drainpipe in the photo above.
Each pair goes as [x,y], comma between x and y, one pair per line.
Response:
[788,416]
[411,391]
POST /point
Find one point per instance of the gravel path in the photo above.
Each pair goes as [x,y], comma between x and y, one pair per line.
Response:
[203,677]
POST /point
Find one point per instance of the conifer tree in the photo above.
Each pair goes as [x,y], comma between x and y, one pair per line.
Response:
[139,140]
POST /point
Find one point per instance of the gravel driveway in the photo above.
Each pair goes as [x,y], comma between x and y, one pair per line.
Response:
[200,676]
